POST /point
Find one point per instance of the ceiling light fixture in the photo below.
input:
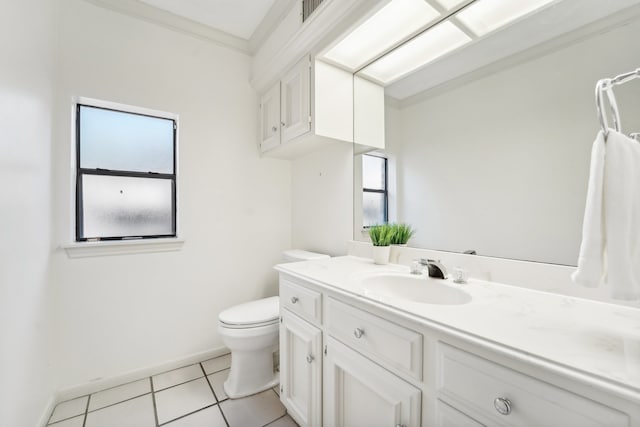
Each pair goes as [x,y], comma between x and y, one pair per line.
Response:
[423,49]
[485,16]
[392,24]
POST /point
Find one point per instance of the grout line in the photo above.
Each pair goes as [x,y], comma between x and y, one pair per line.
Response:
[279,418]
[86,411]
[153,398]
[190,413]
[214,396]
[118,402]
[68,418]
[176,385]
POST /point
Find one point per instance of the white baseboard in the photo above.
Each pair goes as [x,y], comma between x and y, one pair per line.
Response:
[79,390]
[48,410]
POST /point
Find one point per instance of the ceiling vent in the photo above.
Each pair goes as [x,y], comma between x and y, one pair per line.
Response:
[308,7]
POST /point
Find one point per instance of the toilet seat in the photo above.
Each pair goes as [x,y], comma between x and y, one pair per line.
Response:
[252,314]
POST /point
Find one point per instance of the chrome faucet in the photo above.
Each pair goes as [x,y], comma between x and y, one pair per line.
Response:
[435,268]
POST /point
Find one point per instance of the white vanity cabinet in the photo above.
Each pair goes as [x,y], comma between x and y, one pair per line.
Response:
[310,105]
[350,361]
[301,353]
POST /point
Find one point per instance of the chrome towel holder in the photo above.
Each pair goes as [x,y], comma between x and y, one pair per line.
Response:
[605,87]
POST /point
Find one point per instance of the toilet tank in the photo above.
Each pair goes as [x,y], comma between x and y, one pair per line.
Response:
[294,255]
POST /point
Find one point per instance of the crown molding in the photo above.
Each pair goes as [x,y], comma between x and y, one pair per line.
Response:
[140,10]
[272,19]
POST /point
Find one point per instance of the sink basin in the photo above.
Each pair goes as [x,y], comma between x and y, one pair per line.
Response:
[414,289]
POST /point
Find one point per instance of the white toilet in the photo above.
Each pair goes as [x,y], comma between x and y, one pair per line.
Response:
[250,331]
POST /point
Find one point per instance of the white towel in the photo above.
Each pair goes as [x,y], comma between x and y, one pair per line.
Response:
[610,250]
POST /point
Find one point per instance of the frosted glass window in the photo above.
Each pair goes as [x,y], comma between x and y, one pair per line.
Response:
[374,190]
[373,209]
[122,141]
[125,174]
[117,206]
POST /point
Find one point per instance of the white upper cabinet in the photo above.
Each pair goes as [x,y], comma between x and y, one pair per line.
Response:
[270,118]
[295,103]
[311,105]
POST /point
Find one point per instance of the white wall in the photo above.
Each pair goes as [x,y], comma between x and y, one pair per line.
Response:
[322,197]
[500,165]
[126,312]
[26,73]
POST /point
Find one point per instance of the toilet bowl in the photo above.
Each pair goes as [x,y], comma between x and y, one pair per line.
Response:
[250,331]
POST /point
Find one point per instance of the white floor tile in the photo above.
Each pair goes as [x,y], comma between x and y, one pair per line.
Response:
[180,400]
[119,394]
[210,417]
[217,364]
[68,409]
[177,376]
[285,421]
[217,380]
[253,411]
[71,422]
[136,412]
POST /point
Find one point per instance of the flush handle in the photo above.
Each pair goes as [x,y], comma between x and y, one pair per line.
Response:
[502,405]
[359,332]
[294,300]
[310,358]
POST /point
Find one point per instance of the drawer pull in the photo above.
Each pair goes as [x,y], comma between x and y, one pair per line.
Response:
[358,332]
[310,358]
[294,300]
[502,405]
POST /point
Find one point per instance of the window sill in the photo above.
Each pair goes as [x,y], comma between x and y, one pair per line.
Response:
[122,247]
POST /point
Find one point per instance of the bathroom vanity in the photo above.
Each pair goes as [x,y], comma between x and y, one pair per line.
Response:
[367,345]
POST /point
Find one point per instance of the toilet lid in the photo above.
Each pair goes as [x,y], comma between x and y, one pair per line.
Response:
[252,313]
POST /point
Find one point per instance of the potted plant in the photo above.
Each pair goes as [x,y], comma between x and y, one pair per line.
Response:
[381,237]
[401,233]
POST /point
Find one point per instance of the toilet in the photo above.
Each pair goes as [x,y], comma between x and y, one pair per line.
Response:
[250,331]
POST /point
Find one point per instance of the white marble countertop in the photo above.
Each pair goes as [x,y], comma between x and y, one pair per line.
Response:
[592,339]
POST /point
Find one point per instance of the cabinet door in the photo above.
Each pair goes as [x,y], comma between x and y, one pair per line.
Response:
[270,119]
[301,369]
[358,392]
[295,101]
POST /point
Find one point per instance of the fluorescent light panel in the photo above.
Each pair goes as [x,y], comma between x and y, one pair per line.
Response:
[449,4]
[484,16]
[390,25]
[423,49]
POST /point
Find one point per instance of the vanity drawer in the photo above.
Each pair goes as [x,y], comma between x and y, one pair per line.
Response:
[467,380]
[385,342]
[301,300]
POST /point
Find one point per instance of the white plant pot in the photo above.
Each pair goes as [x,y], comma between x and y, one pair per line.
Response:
[381,254]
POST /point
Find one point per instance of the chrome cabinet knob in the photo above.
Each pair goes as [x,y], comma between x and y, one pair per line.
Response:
[502,405]
[358,332]
[310,358]
[294,300]
[274,129]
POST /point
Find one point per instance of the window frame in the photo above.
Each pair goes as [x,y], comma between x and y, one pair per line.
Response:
[79,172]
[384,191]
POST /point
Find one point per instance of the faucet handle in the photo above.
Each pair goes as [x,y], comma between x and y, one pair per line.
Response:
[417,266]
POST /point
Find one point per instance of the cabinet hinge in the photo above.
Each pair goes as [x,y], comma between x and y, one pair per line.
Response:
[281,389]
[325,349]
[309,118]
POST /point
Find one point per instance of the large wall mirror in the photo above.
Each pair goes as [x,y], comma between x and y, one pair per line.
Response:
[488,147]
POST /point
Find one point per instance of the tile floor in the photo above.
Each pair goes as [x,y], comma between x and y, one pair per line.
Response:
[191,396]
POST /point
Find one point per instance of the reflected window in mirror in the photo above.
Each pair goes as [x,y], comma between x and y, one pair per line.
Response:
[375,197]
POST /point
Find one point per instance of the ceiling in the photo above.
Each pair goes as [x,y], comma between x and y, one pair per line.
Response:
[236,17]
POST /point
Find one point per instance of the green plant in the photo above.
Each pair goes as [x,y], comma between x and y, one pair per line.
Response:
[381,235]
[401,233]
